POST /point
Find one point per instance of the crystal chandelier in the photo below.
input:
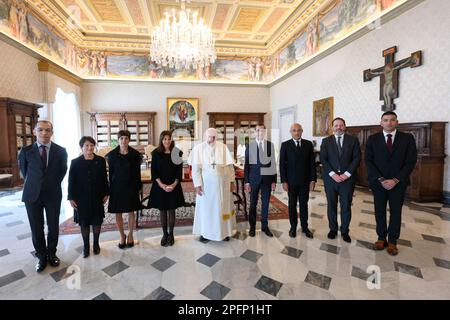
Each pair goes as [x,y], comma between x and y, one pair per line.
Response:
[184,42]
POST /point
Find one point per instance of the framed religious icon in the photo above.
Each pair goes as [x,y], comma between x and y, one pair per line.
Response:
[322,117]
[182,118]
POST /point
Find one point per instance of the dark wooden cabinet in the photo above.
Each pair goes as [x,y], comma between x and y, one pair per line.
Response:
[428,176]
[106,125]
[17,120]
[234,128]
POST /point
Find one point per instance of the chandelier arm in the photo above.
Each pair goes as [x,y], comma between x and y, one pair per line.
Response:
[183,42]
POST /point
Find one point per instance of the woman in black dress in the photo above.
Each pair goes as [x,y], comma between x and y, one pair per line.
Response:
[166,193]
[124,183]
[88,192]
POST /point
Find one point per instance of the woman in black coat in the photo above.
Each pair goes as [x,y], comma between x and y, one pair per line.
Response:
[88,192]
[166,193]
[124,183]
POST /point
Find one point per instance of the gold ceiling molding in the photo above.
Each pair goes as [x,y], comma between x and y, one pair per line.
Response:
[63,25]
[113,19]
[46,66]
[106,10]
[224,51]
[103,44]
[246,18]
[249,27]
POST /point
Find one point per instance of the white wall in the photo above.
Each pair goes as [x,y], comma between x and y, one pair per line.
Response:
[424,91]
[144,96]
[19,75]
[20,79]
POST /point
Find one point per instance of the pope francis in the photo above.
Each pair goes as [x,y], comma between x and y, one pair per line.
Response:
[213,178]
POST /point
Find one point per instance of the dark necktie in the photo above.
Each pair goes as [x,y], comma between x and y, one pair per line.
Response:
[389,142]
[339,146]
[43,156]
[298,144]
[260,152]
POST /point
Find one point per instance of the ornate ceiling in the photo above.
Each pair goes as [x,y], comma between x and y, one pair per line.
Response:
[241,28]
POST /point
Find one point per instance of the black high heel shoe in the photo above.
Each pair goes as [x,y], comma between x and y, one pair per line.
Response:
[170,240]
[86,252]
[123,244]
[96,249]
[164,241]
[130,245]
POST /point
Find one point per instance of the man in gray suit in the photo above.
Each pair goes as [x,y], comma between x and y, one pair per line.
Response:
[340,155]
[43,166]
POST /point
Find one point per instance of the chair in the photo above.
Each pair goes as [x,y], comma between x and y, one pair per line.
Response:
[102,152]
[5,179]
[148,154]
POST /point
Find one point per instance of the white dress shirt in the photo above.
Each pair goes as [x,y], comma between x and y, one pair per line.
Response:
[348,174]
[299,142]
[258,143]
[48,145]
[391,133]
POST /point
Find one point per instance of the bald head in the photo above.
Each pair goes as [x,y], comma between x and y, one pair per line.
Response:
[296,131]
[210,135]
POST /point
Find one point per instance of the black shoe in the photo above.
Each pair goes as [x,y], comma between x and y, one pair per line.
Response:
[226,239]
[40,266]
[268,232]
[171,240]
[308,233]
[53,260]
[203,240]
[130,244]
[346,237]
[251,233]
[123,244]
[332,234]
[85,252]
[96,249]
[292,233]
[164,239]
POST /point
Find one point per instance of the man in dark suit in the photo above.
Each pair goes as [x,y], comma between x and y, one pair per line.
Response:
[298,176]
[260,175]
[340,155]
[390,158]
[43,166]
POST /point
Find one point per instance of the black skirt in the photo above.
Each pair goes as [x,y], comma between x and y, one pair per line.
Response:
[162,200]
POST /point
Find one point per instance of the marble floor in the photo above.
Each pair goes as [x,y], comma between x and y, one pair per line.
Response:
[243,268]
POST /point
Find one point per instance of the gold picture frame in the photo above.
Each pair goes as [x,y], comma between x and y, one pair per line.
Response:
[182,118]
[322,117]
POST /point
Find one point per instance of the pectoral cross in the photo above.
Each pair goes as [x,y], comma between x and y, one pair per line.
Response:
[389,75]
[214,165]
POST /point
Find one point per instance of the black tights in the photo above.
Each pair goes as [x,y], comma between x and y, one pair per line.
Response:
[85,234]
[164,214]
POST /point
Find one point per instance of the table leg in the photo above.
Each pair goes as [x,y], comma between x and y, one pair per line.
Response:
[245,200]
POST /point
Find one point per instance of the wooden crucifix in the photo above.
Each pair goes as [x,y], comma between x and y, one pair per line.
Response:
[389,75]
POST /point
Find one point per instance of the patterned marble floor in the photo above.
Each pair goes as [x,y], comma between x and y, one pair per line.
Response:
[243,268]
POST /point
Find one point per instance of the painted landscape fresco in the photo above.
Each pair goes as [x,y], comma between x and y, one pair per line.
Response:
[340,18]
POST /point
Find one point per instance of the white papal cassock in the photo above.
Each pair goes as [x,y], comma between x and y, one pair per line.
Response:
[212,169]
